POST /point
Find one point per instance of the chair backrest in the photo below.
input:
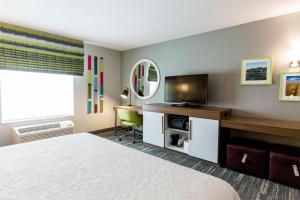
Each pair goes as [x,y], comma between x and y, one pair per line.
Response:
[130,116]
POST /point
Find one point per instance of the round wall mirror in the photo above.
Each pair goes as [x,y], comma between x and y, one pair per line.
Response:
[144,79]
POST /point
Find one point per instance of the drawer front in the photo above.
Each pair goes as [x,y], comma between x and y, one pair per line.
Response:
[247,160]
[285,169]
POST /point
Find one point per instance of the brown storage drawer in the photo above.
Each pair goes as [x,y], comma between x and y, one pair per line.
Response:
[248,156]
[285,165]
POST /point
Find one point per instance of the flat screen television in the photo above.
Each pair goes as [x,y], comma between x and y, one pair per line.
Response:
[187,89]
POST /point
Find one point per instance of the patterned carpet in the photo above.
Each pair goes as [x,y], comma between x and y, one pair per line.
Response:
[248,187]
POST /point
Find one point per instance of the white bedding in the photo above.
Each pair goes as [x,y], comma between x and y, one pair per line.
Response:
[84,166]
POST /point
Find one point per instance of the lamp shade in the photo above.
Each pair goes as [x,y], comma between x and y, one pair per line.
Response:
[125,94]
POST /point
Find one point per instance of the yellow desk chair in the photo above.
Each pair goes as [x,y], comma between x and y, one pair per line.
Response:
[130,119]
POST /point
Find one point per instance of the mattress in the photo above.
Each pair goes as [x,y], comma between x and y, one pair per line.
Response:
[87,167]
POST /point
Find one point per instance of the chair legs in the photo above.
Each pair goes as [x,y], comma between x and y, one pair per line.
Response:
[130,130]
[133,136]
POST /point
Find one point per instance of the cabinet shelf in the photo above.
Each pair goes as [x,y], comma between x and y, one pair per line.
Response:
[175,148]
[177,130]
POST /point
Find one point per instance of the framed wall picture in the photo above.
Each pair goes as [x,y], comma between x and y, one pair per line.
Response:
[290,86]
[256,71]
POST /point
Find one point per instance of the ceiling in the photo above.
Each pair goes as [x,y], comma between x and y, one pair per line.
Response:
[127,24]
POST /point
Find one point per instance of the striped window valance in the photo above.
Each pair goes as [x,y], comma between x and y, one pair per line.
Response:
[31,50]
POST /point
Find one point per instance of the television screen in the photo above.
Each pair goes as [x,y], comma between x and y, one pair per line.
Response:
[186,89]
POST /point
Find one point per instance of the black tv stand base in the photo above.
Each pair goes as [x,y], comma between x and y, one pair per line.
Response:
[186,105]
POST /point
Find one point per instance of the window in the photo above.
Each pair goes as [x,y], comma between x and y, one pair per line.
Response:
[153,85]
[30,95]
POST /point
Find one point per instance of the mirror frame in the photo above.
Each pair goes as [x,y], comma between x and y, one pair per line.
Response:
[158,78]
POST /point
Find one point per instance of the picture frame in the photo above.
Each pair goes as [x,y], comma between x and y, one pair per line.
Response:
[257,71]
[290,86]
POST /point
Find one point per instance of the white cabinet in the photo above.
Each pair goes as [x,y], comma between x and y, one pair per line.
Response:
[203,135]
[204,138]
[153,128]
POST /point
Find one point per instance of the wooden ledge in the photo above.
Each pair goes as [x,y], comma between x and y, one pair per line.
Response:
[133,108]
[266,126]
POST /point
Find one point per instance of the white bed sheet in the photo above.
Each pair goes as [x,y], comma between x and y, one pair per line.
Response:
[87,167]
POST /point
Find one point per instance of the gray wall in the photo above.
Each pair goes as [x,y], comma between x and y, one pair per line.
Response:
[83,121]
[219,54]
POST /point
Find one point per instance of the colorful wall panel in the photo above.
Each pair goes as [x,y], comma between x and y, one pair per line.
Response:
[101,67]
[95,84]
[89,102]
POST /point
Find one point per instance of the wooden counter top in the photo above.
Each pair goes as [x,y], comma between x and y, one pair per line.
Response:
[265,126]
[207,112]
[133,108]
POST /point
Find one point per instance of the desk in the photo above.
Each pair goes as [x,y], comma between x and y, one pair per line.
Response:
[264,126]
[138,109]
[261,126]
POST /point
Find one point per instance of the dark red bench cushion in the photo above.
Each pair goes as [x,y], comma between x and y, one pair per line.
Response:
[281,160]
[256,163]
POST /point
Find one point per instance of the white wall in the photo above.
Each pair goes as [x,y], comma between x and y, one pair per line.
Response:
[86,122]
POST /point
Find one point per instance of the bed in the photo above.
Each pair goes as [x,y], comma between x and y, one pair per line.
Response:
[86,167]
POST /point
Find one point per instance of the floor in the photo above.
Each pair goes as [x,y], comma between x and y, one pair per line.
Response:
[248,187]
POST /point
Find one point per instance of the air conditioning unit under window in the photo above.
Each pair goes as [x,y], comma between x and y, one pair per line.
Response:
[41,131]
